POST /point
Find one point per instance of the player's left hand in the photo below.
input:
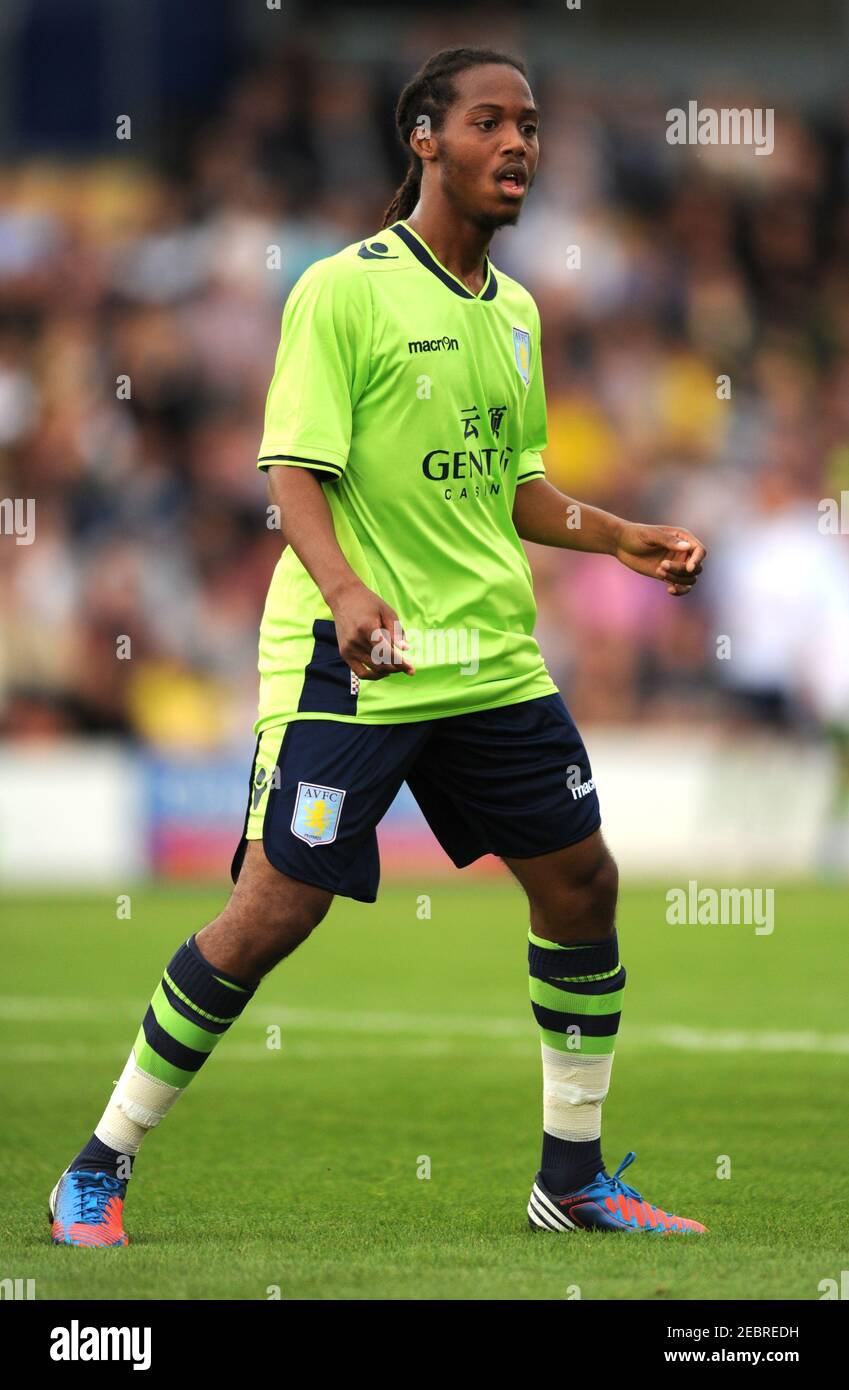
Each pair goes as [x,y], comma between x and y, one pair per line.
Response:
[662,552]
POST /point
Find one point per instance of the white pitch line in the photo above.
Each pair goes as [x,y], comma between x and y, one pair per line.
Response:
[16,1009]
[430,1027]
[741,1040]
[24,1054]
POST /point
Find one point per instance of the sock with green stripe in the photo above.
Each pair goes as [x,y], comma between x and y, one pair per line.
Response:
[576,996]
[193,1006]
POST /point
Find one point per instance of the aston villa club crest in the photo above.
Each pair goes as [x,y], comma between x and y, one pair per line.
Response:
[522,353]
[316,814]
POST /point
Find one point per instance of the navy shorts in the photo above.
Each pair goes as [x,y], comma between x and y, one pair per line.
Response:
[515,782]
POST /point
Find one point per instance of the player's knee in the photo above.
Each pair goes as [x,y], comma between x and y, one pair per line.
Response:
[578,899]
[594,898]
[277,932]
[257,930]
[605,887]
[286,924]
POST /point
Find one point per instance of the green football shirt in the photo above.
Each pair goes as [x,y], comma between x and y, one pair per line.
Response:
[421,407]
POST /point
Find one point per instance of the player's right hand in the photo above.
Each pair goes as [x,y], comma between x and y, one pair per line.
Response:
[370,636]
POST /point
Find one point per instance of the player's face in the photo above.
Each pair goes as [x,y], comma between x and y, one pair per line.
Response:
[488,147]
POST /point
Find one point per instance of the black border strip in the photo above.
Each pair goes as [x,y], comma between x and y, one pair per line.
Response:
[294,458]
[430,263]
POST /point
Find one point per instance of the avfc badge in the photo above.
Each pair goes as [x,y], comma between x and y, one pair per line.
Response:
[522,353]
[316,815]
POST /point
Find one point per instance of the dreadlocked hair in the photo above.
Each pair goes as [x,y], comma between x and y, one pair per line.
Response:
[431,93]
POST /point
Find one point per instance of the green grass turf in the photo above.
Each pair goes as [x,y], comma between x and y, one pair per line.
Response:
[404,1037]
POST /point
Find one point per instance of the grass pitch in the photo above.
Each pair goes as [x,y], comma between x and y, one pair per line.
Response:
[407,1047]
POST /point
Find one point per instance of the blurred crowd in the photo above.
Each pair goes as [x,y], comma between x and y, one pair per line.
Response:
[695,312]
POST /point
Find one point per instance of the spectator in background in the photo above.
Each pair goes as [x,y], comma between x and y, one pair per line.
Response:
[139,306]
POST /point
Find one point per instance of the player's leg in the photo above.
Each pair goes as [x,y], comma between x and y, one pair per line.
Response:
[516,782]
[269,913]
[206,985]
[318,790]
[576,984]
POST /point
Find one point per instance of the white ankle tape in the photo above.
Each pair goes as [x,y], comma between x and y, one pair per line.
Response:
[574,1087]
[146,1100]
[117,1132]
[137,1104]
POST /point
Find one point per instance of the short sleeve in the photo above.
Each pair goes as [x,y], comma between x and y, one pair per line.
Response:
[320,371]
[534,425]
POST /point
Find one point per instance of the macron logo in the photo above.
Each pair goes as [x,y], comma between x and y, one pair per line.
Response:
[77,1343]
[583,789]
[443,344]
[376,251]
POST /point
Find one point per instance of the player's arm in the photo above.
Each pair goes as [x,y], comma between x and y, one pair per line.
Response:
[368,631]
[543,514]
[321,369]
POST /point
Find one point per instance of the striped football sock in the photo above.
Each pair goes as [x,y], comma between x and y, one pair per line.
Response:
[193,1005]
[576,996]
